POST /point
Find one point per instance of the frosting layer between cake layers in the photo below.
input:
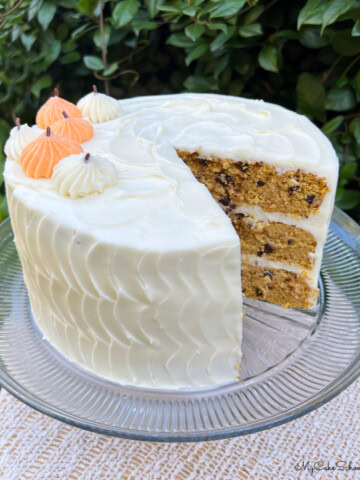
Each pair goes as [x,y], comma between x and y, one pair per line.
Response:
[141,283]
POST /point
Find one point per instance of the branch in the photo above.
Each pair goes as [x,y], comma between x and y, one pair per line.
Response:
[103,45]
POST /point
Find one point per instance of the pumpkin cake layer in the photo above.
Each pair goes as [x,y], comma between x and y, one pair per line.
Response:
[293,192]
[274,240]
[280,286]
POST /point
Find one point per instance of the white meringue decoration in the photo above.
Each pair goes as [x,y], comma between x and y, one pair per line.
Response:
[19,139]
[80,175]
[98,107]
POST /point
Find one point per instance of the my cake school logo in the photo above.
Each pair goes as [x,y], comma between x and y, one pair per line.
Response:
[320,466]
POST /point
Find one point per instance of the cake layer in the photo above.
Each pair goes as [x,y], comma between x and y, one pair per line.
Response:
[274,240]
[286,288]
[233,184]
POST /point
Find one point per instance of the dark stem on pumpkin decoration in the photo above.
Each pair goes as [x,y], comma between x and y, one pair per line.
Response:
[48,132]
[18,123]
[95,88]
[65,115]
[103,44]
[56,92]
[87,157]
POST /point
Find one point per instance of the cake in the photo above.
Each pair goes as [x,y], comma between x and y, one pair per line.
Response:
[130,241]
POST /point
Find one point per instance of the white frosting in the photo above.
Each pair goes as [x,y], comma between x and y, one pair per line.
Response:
[141,283]
[19,139]
[76,176]
[98,107]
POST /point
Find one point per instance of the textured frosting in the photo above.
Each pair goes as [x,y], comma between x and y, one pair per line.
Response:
[141,283]
[19,139]
[98,107]
[81,175]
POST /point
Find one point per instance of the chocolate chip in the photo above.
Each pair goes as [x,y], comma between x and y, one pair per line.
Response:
[229,179]
[203,161]
[243,166]
[269,274]
[219,180]
[260,183]
[290,242]
[233,206]
[258,292]
[310,199]
[260,253]
[292,190]
[268,248]
[224,201]
[243,215]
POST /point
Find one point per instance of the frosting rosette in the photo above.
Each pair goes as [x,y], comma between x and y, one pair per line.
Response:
[98,107]
[80,175]
[20,137]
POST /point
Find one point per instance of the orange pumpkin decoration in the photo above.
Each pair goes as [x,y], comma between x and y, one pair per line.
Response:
[39,158]
[77,129]
[52,110]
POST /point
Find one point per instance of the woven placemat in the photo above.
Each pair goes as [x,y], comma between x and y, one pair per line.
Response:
[33,446]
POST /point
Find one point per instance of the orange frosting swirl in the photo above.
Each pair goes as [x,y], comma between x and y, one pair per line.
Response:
[77,129]
[39,158]
[52,110]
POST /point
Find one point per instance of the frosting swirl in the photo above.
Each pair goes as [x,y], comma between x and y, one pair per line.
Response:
[78,175]
[20,137]
[98,107]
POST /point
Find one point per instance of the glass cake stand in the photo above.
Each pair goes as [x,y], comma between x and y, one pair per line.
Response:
[294,361]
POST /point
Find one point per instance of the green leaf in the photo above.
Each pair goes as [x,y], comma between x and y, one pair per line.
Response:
[70,58]
[46,13]
[332,124]
[357,130]
[268,58]
[180,40]
[253,14]
[218,26]
[27,40]
[153,6]
[343,43]
[93,63]
[97,36]
[87,6]
[290,34]
[43,82]
[355,32]
[124,12]
[33,9]
[110,70]
[310,96]
[341,99]
[307,12]
[350,199]
[357,81]
[170,9]
[3,37]
[227,8]
[146,25]
[4,212]
[252,30]
[194,31]
[348,171]
[222,64]
[195,83]
[334,10]
[222,38]
[310,38]
[196,53]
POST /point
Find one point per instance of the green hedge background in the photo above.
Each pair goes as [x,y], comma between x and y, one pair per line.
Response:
[304,55]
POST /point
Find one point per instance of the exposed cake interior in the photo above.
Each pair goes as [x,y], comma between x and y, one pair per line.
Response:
[277,256]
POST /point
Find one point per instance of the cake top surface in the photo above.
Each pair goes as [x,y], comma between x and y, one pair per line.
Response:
[157,195]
